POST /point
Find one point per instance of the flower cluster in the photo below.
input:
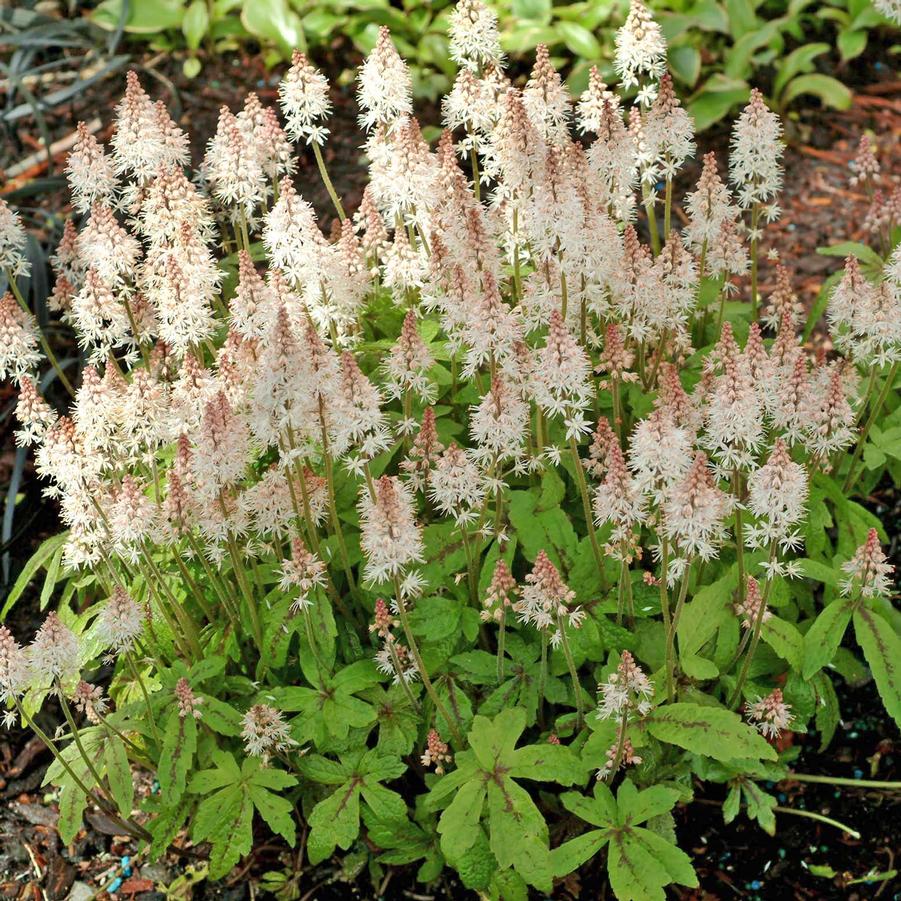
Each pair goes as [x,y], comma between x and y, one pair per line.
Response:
[508,397]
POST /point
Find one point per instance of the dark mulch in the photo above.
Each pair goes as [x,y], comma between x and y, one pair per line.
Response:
[732,861]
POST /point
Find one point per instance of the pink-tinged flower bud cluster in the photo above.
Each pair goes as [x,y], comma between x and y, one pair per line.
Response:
[770,715]
[265,732]
[626,691]
[869,572]
[499,596]
[188,703]
[437,754]
[545,601]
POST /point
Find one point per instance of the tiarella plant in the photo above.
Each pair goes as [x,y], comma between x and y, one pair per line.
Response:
[474,533]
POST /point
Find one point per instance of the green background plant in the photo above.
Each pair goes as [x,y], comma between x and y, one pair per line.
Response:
[717,49]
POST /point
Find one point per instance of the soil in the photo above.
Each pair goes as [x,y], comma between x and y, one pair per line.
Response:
[739,860]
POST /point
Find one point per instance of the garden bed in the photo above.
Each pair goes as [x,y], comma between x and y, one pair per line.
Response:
[804,860]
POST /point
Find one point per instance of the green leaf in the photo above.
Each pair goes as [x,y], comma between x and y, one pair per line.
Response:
[854,249]
[882,649]
[434,619]
[685,61]
[828,714]
[708,731]
[636,807]
[579,40]
[742,17]
[191,67]
[179,745]
[335,821]
[321,769]
[233,838]
[72,802]
[164,826]
[702,617]
[39,558]
[218,808]
[760,806]
[518,833]
[852,43]
[118,772]
[195,23]
[784,639]
[569,856]
[599,810]
[548,763]
[458,826]
[799,60]
[732,804]
[278,812]
[146,17]
[715,100]
[220,717]
[52,576]
[274,21]
[824,637]
[493,741]
[830,90]
[819,571]
[640,864]
[539,10]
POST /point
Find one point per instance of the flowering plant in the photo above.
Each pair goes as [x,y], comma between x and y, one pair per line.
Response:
[481,476]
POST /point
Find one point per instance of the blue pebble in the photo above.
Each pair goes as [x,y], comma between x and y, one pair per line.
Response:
[115,885]
[756,884]
[858,773]
[782,797]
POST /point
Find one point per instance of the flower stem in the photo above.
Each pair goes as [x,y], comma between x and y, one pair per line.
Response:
[620,744]
[129,659]
[739,535]
[667,619]
[862,439]
[399,670]
[542,677]
[130,827]
[333,508]
[671,635]
[838,780]
[76,736]
[649,197]
[501,636]
[667,207]
[573,673]
[589,515]
[45,345]
[454,725]
[755,637]
[320,162]
[755,222]
[819,818]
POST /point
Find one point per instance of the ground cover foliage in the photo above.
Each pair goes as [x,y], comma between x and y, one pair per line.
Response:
[472,534]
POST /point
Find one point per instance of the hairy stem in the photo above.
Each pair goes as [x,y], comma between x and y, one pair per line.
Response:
[573,673]
[323,172]
[862,438]
[452,722]
[45,344]
[589,515]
